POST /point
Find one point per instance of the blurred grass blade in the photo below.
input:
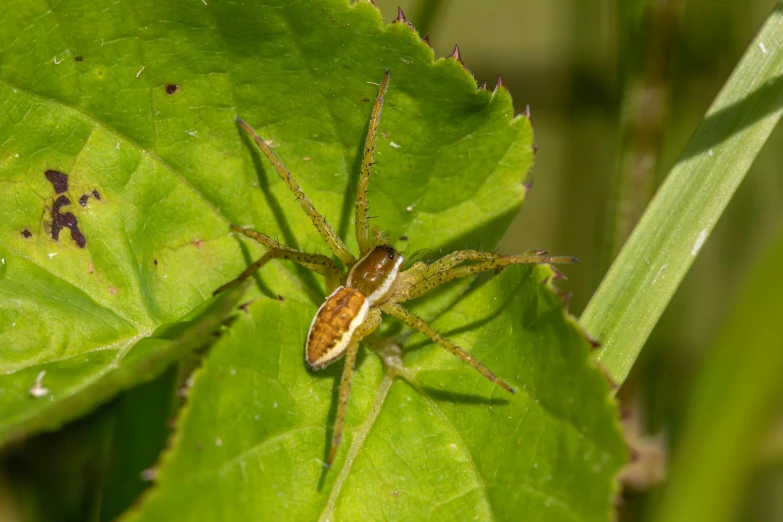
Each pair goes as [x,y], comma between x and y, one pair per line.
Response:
[734,403]
[649,268]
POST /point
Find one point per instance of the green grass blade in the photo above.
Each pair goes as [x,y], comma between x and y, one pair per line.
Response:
[661,249]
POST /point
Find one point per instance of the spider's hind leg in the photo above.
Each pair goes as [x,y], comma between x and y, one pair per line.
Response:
[415,322]
[369,326]
[315,262]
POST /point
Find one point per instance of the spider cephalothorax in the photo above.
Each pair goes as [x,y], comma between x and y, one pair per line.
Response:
[374,283]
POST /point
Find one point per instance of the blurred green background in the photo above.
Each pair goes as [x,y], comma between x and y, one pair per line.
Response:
[580,65]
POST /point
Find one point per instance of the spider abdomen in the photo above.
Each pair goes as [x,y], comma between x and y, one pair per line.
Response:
[333,326]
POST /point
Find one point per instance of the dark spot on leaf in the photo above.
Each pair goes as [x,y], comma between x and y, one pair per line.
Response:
[245,306]
[78,58]
[197,242]
[171,88]
[58,180]
[65,220]
[403,238]
[85,197]
[280,297]
[26,233]
[365,99]
[155,262]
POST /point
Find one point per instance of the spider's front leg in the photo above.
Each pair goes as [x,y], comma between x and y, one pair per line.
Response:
[315,262]
[415,322]
[369,326]
[420,280]
[324,228]
[362,219]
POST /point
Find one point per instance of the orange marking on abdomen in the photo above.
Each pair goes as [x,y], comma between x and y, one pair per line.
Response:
[334,325]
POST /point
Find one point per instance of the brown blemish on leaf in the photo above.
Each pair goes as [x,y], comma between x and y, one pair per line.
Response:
[197,242]
[112,290]
[155,262]
[65,220]
[365,99]
[58,180]
[403,238]
[90,268]
[85,197]
[385,135]
[78,59]
[26,234]
[171,88]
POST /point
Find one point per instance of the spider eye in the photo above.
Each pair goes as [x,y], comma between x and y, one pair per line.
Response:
[391,255]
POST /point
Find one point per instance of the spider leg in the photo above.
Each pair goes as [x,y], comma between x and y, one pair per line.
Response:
[362,220]
[324,228]
[415,322]
[370,325]
[315,262]
[427,279]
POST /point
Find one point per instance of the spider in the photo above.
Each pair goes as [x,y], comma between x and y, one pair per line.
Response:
[372,283]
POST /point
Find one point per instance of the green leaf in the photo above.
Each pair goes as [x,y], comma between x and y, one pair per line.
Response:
[136,101]
[678,221]
[442,443]
[736,400]
[73,386]
[145,117]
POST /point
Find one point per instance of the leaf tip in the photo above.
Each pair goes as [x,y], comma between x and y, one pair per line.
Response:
[401,19]
[455,55]
[566,298]
[426,40]
[500,84]
[483,86]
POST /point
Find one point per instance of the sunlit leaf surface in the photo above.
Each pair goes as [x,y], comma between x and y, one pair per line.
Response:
[134,101]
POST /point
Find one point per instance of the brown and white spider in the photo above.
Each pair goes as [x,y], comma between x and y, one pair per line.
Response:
[371,284]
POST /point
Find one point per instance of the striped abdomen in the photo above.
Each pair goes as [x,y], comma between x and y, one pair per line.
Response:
[333,326]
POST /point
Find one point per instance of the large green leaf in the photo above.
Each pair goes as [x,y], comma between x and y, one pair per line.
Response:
[88,89]
[136,100]
[442,444]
